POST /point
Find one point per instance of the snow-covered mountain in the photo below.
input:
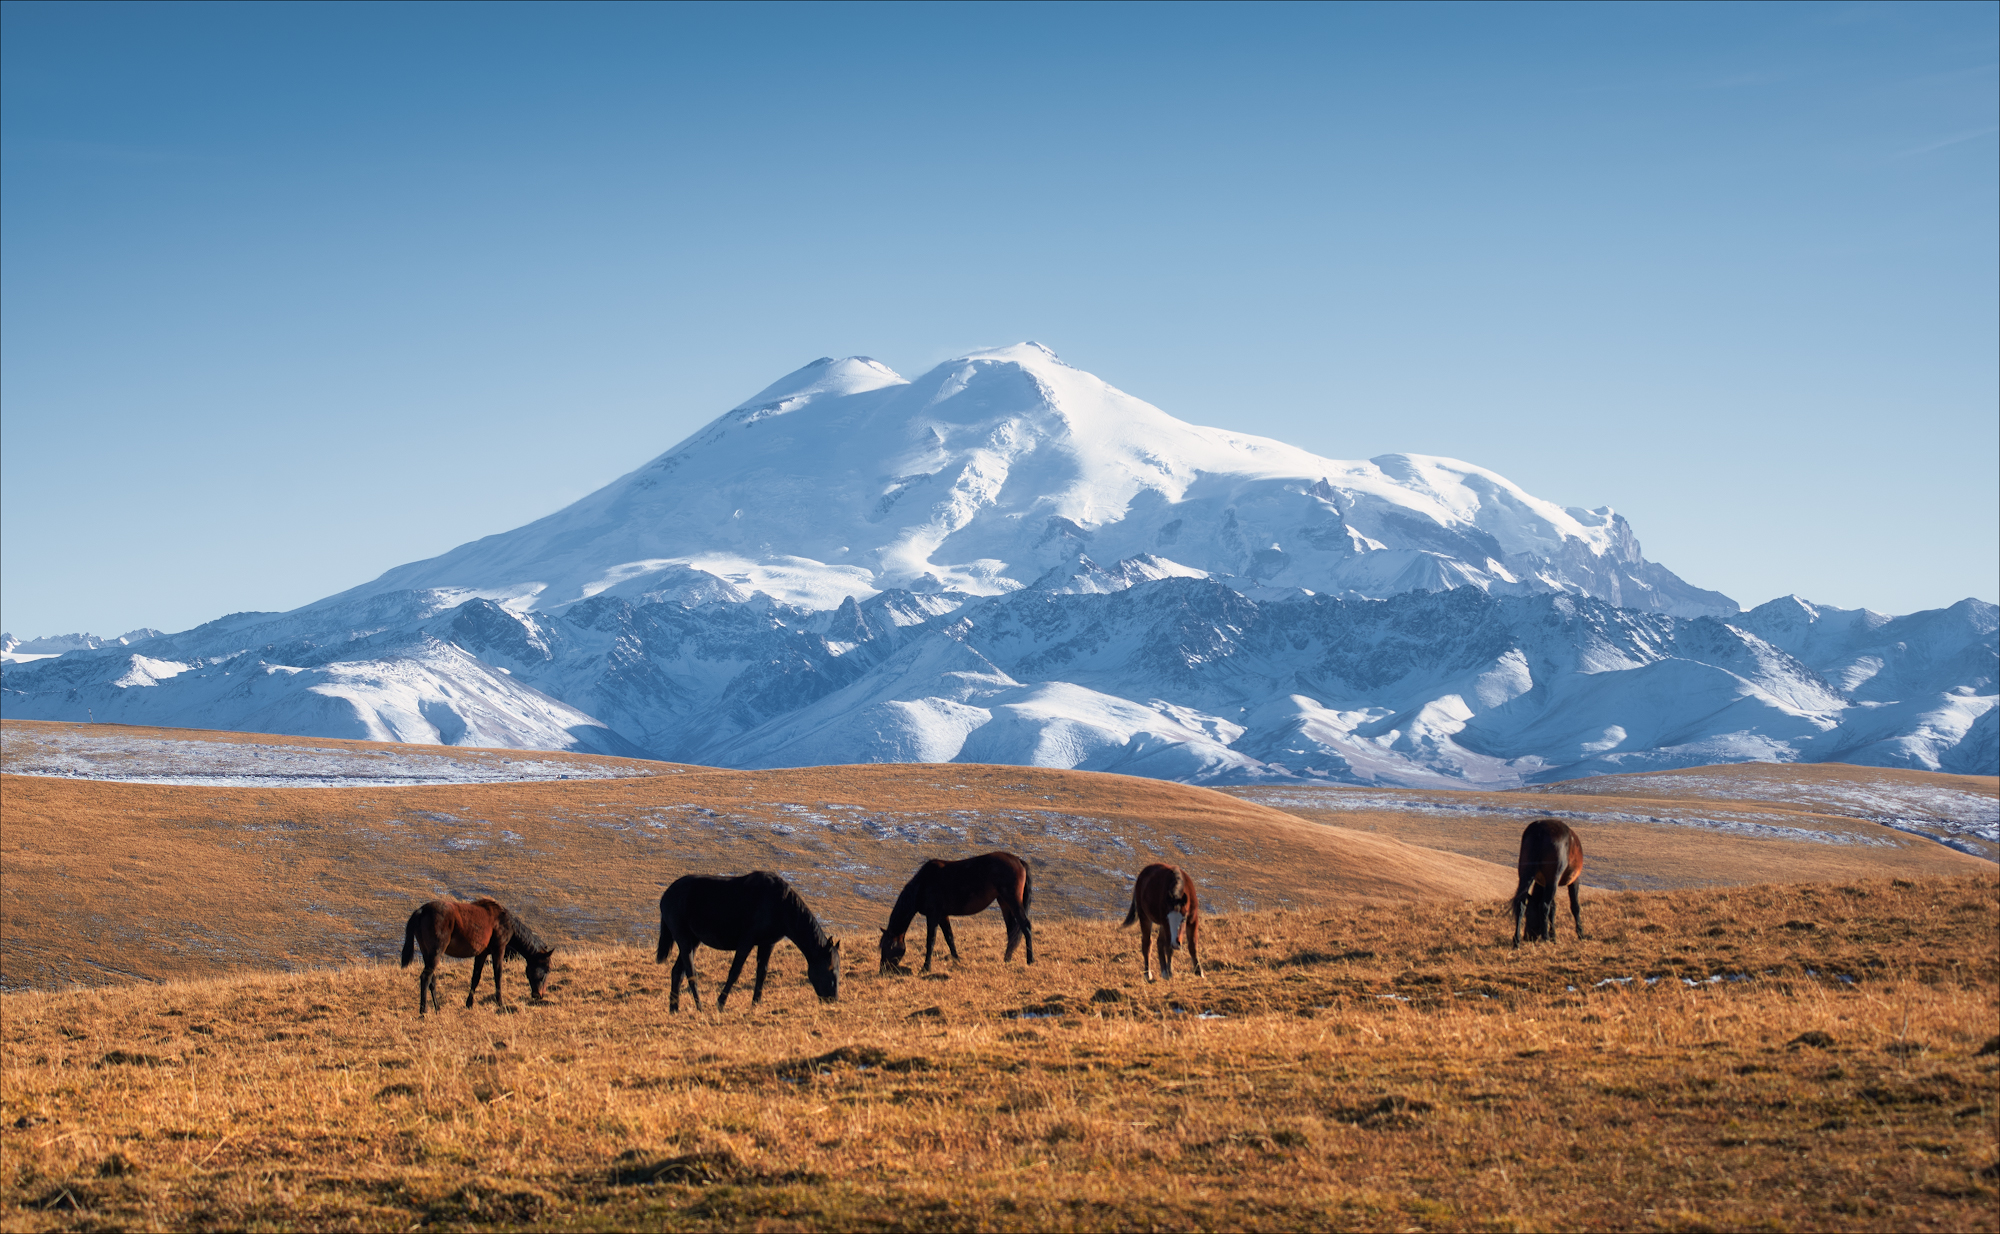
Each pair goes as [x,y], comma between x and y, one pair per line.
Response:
[1009,561]
[843,479]
[13,649]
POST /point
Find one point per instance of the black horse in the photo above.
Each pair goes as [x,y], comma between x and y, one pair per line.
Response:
[942,890]
[1551,859]
[735,914]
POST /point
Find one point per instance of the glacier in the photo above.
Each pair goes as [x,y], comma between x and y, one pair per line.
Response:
[1007,560]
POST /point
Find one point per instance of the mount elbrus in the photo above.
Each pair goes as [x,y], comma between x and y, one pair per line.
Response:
[1009,561]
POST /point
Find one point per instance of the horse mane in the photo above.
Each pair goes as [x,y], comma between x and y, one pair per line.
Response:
[525,942]
[803,920]
[905,910]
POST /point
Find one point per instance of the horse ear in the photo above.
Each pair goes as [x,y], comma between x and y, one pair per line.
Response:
[836,944]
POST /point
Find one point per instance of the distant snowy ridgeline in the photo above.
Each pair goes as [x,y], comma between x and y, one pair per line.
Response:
[153,760]
[1174,678]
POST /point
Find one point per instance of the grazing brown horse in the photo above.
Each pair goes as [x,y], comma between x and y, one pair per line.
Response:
[1164,896]
[942,890]
[735,914]
[1551,858]
[483,930]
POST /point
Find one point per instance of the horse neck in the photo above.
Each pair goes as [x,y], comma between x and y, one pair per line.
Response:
[905,911]
[521,941]
[807,934]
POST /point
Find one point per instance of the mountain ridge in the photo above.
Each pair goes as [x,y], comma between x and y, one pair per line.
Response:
[844,479]
[1009,560]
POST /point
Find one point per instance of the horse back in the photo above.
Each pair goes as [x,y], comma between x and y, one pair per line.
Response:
[1550,852]
[467,929]
[1008,872]
[1162,889]
[1574,865]
[726,913]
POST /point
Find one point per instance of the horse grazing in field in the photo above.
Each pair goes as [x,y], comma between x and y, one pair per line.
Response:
[1164,896]
[736,914]
[942,890]
[483,930]
[1551,858]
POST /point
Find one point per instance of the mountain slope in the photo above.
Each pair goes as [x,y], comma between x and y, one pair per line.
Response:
[843,479]
[1007,560]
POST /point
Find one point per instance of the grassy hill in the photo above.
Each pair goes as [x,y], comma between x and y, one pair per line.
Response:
[113,881]
[1772,1057]
[203,1032]
[1697,827]
[110,882]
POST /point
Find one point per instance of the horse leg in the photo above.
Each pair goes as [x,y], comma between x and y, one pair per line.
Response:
[674,973]
[1194,928]
[478,966]
[426,982]
[930,940]
[735,971]
[1520,905]
[1167,951]
[763,966]
[950,939]
[1018,928]
[686,965]
[499,954]
[1575,909]
[1146,946]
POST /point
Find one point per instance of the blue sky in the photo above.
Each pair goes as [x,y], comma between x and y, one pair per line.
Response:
[295,293]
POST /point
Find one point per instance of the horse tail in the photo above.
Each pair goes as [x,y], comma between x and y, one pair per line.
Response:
[1027,888]
[410,938]
[666,946]
[1132,913]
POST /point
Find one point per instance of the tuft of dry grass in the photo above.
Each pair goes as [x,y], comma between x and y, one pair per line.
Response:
[1379,1067]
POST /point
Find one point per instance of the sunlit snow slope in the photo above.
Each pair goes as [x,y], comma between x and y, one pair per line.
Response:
[1009,561]
[843,479]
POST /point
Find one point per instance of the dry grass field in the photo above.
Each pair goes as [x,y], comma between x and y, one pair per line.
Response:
[1370,1066]
[1701,827]
[114,882]
[1799,1029]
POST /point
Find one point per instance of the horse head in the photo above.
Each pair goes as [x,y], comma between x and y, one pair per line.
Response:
[826,977]
[893,948]
[1541,914]
[538,971]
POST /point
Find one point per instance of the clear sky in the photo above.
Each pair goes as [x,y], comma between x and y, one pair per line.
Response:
[296,293]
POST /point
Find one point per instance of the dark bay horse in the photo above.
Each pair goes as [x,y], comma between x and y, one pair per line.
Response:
[735,914]
[1551,858]
[942,890]
[1164,896]
[483,930]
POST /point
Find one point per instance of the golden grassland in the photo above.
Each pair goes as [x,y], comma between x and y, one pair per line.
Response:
[111,882]
[1368,1066]
[1692,844]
